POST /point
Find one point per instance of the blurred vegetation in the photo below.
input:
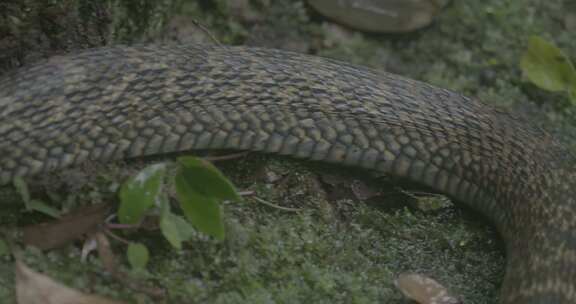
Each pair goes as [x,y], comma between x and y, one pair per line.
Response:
[549,68]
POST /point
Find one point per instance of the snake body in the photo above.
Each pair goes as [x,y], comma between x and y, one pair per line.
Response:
[121,102]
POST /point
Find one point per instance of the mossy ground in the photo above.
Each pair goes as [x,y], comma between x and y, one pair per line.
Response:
[334,250]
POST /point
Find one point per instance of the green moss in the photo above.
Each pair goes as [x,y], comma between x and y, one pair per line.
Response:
[301,258]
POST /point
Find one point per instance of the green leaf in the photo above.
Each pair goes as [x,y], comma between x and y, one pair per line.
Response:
[137,255]
[42,207]
[3,248]
[203,211]
[22,189]
[186,230]
[175,229]
[547,66]
[170,231]
[32,204]
[140,193]
[207,180]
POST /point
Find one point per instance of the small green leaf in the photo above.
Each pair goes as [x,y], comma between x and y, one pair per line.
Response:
[547,66]
[3,248]
[22,189]
[170,231]
[206,179]
[140,193]
[167,226]
[184,228]
[42,207]
[164,206]
[137,255]
[175,229]
[32,204]
[203,211]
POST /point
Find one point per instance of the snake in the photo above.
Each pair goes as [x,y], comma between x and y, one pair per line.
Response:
[117,102]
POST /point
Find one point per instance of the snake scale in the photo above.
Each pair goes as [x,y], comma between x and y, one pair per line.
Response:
[121,102]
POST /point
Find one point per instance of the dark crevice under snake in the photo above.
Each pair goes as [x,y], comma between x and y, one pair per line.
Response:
[121,102]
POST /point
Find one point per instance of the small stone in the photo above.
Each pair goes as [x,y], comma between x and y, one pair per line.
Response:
[384,16]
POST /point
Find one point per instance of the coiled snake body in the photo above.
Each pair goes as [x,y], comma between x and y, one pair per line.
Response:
[122,102]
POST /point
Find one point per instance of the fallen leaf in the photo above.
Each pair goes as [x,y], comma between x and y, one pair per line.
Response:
[346,187]
[424,290]
[68,228]
[545,65]
[35,288]
[105,253]
[89,246]
[363,191]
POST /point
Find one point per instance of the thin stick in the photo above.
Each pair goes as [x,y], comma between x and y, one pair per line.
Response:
[276,206]
[206,31]
[227,156]
[116,237]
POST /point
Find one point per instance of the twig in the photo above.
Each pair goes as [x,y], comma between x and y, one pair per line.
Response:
[116,237]
[123,226]
[206,31]
[227,156]
[246,193]
[276,206]
[413,194]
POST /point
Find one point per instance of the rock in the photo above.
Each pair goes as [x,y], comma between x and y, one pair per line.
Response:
[383,16]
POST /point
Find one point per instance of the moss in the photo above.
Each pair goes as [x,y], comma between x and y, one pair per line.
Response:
[331,251]
[31,30]
[303,258]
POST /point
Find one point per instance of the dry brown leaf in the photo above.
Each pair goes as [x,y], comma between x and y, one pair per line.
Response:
[342,187]
[105,252]
[66,229]
[35,288]
[363,191]
[424,290]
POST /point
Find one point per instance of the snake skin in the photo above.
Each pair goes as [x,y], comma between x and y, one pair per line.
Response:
[121,102]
